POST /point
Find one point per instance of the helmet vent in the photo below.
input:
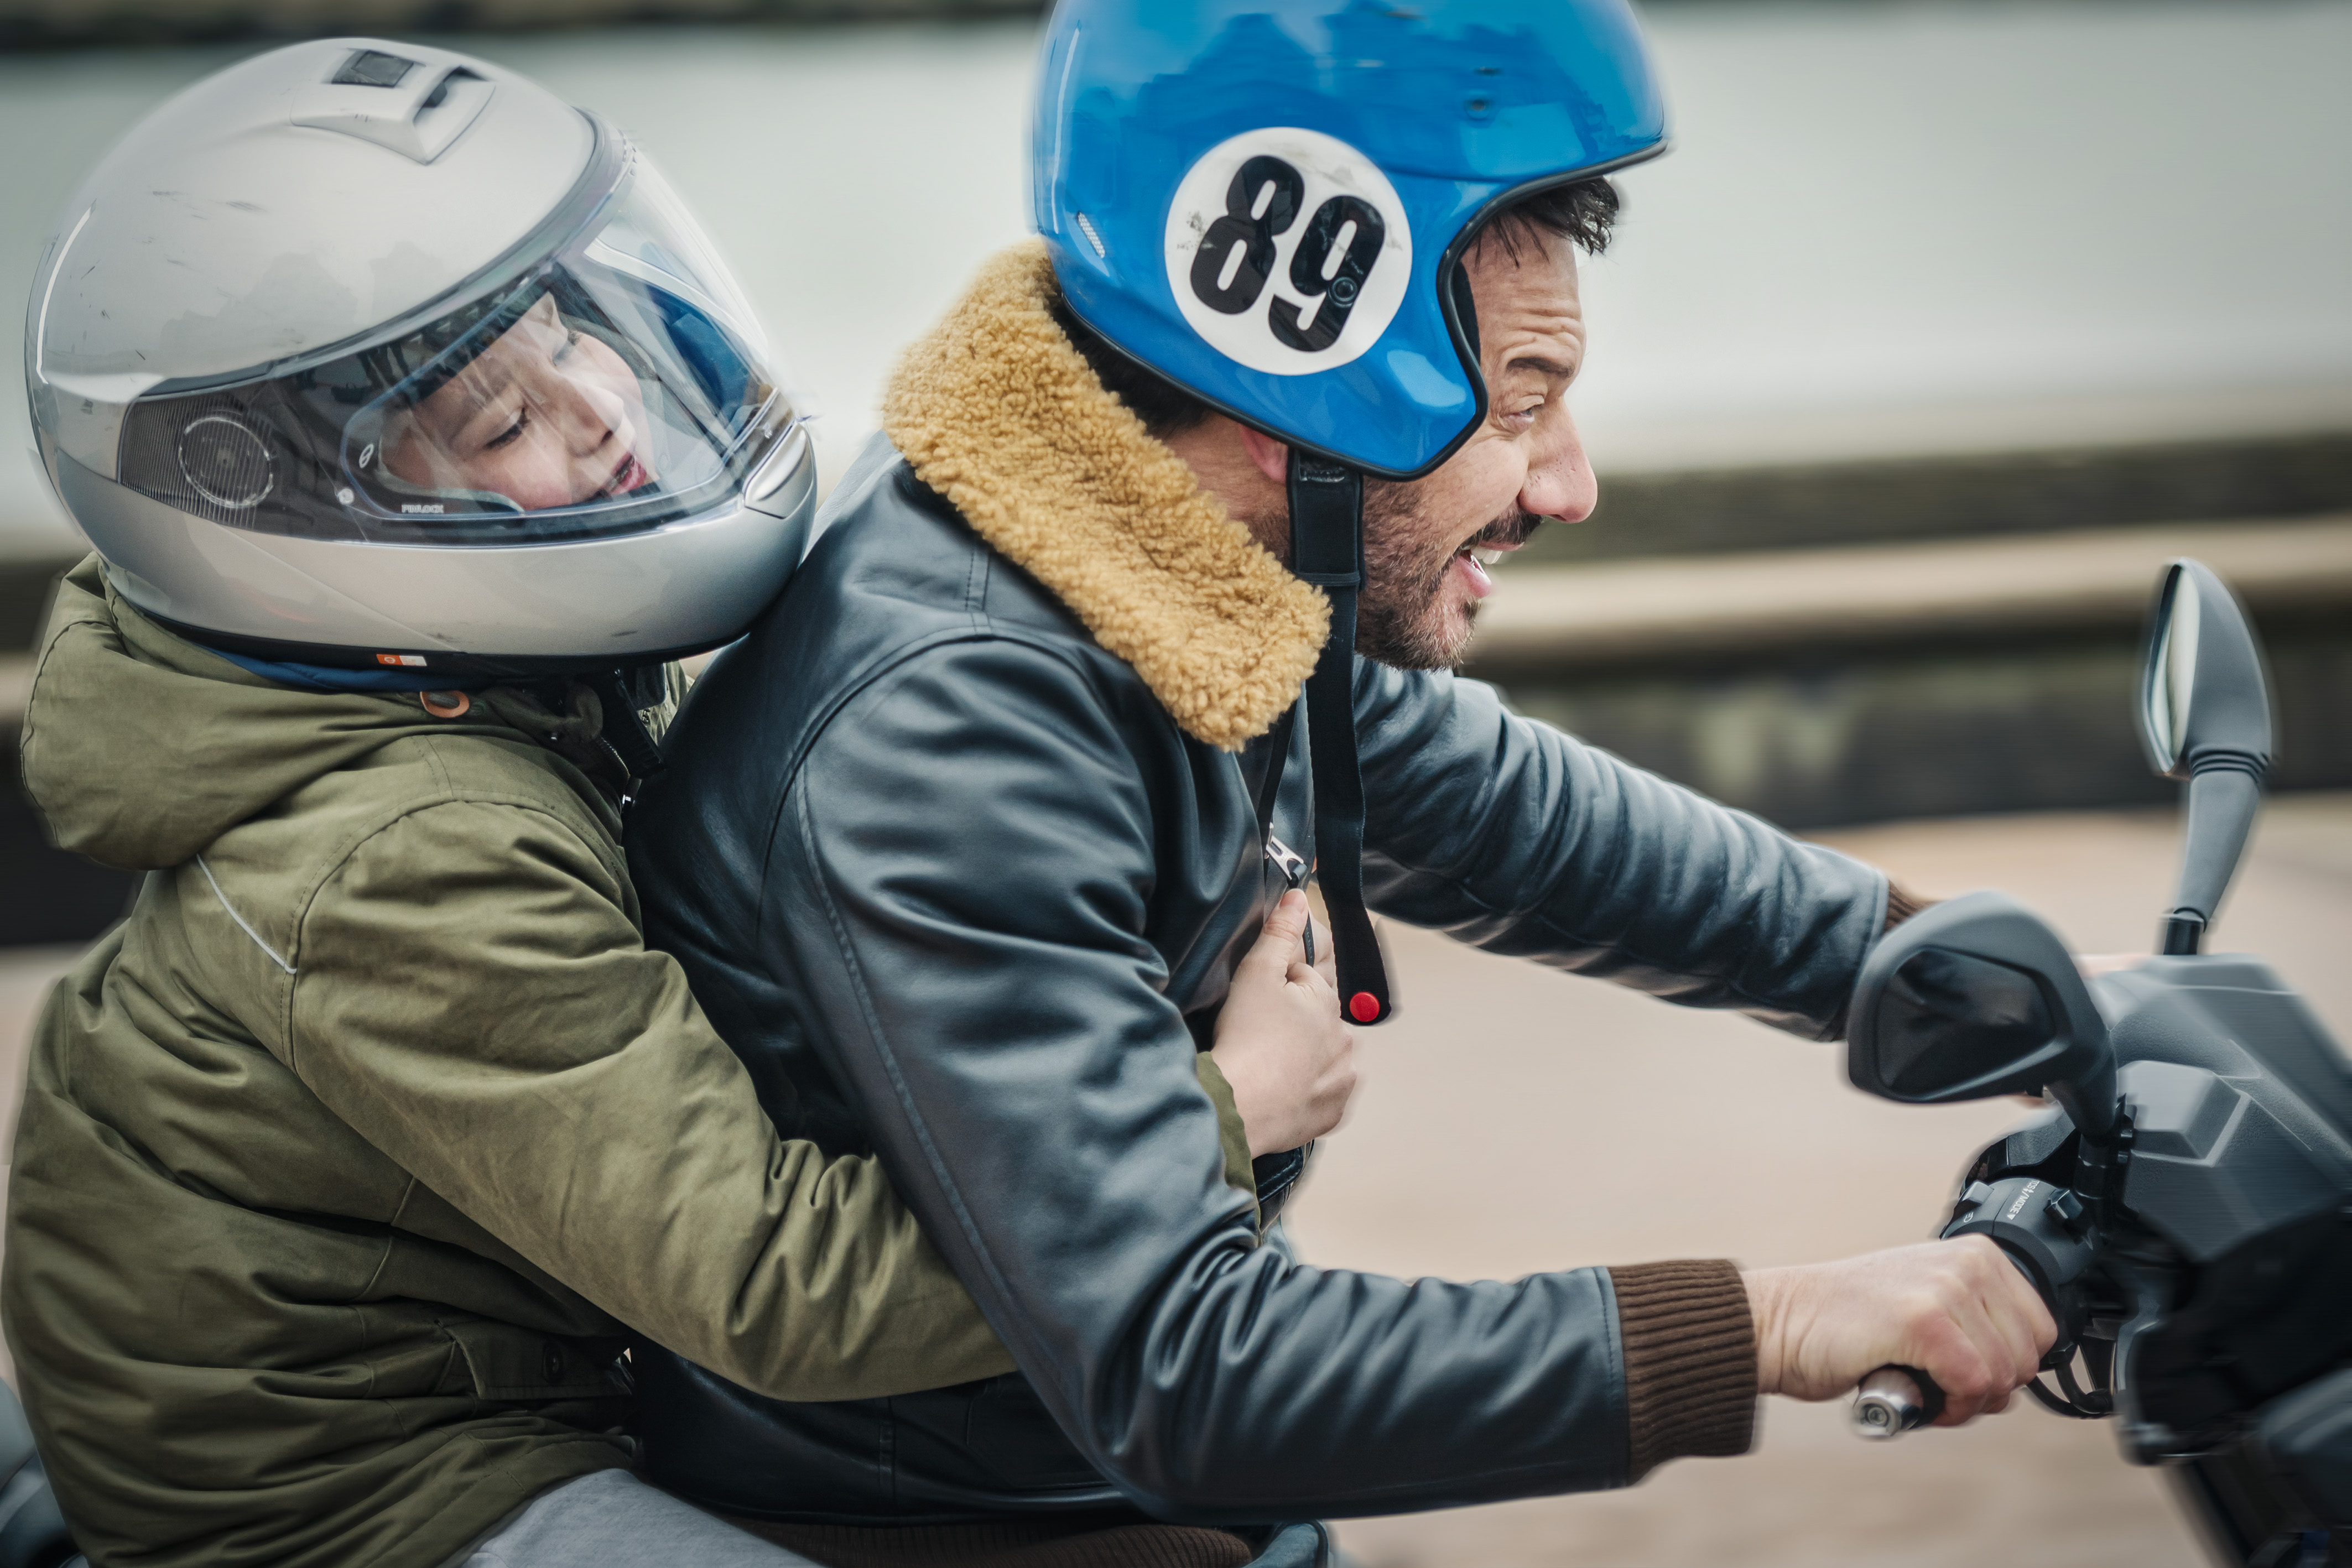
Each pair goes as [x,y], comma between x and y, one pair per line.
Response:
[416,113]
[373,68]
[225,460]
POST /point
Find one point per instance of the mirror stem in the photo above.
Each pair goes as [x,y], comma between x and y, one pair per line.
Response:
[2090,1107]
[2224,794]
[2101,1160]
[2181,935]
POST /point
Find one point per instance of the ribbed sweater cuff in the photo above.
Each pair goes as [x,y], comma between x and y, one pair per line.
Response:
[1901,905]
[1689,1342]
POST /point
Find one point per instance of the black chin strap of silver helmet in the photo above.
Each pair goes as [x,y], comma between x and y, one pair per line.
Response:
[1327,549]
[622,694]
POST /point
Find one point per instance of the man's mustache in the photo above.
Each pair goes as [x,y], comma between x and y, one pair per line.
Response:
[1507,532]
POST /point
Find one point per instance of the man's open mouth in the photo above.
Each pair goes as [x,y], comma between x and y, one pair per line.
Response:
[1489,544]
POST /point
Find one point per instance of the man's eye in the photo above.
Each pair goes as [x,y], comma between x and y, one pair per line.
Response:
[511,434]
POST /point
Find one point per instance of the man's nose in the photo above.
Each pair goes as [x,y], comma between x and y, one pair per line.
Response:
[1560,483]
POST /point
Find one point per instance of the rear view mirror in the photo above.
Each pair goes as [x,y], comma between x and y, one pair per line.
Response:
[2204,716]
[2167,677]
[1976,998]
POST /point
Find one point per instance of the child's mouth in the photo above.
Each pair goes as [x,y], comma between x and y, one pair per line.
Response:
[630,476]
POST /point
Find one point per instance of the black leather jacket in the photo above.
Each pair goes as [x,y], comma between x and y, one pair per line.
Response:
[960,891]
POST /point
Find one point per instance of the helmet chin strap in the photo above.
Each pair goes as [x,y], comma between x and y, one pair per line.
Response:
[621,693]
[1327,549]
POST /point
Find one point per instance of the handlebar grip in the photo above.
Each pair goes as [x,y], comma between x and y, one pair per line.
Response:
[1895,1399]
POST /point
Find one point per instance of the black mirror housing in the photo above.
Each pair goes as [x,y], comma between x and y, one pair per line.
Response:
[1976,998]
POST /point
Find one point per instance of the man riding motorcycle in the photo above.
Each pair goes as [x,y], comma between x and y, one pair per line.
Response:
[963,840]
[415,427]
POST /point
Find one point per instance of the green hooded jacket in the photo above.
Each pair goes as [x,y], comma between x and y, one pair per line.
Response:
[344,1159]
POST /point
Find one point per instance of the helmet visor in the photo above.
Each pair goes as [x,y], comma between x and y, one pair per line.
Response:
[613,386]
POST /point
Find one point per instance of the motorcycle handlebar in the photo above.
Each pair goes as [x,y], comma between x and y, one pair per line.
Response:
[1895,1399]
[2042,1228]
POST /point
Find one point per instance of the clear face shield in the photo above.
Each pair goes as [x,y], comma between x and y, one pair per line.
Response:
[612,385]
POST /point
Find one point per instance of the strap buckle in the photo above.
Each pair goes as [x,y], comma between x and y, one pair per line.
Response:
[1288,861]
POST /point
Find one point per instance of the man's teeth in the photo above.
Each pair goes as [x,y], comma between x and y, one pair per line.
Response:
[1488,557]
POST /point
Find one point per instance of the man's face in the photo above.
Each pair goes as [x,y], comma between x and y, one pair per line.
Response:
[1523,465]
[546,417]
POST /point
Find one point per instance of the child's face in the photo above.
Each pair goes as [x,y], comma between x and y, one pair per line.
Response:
[545,416]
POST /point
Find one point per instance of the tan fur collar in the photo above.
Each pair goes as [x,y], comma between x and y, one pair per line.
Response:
[997,411]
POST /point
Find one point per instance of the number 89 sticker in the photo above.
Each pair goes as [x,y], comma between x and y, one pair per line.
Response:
[1288,250]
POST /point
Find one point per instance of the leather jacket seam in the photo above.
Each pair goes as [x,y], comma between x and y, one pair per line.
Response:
[975,590]
[852,687]
[857,684]
[797,800]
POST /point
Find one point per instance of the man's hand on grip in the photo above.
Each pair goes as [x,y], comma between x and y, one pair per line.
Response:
[1958,1311]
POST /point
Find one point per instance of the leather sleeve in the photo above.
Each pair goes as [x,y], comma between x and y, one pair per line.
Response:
[1502,832]
[968,934]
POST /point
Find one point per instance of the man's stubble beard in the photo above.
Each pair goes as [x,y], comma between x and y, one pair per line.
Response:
[1401,618]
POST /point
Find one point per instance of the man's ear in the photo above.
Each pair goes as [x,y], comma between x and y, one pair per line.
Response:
[1272,457]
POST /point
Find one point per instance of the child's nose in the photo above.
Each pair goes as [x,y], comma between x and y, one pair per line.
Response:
[586,413]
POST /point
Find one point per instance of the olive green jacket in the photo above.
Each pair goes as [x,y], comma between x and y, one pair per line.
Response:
[344,1159]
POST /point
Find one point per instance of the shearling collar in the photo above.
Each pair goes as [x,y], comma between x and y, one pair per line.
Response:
[999,413]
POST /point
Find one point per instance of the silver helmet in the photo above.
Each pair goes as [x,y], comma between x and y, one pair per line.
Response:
[363,354]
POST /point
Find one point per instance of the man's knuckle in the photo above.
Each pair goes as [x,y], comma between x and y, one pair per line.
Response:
[1921,1312]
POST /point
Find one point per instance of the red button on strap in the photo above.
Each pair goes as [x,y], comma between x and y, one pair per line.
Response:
[1363,1007]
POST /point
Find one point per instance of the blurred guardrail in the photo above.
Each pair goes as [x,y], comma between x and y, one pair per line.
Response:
[1823,644]
[1846,643]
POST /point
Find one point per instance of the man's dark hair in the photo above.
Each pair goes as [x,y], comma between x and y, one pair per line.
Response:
[1583,211]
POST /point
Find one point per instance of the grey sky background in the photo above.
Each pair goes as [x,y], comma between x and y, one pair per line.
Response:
[1883,229]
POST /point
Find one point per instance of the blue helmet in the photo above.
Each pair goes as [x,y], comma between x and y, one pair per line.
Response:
[1265,202]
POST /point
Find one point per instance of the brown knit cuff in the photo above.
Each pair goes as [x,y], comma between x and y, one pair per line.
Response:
[1690,1362]
[1901,905]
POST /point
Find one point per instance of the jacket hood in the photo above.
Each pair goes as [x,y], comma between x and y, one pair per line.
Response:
[141,748]
[999,413]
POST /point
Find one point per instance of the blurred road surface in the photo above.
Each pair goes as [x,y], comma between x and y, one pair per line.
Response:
[1512,1119]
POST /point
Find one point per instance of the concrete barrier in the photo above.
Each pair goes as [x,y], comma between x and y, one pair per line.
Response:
[1701,511]
[1821,644]
[1836,643]
[2004,589]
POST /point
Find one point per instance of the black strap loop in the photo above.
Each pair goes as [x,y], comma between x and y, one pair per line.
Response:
[623,730]
[1269,789]
[1327,548]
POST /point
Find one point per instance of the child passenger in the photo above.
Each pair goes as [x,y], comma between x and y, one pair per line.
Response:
[348,1158]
